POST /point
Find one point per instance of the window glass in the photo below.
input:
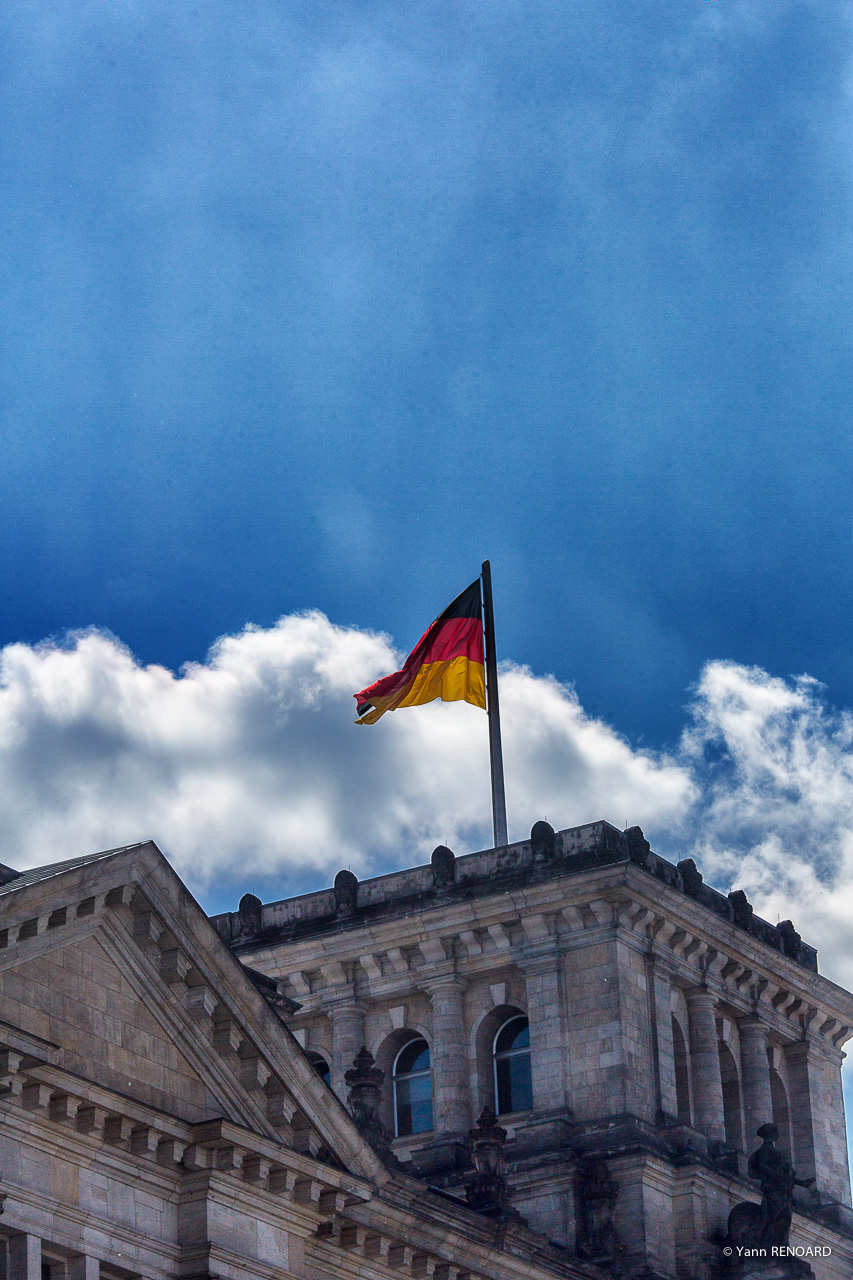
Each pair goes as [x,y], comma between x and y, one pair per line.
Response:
[513,1088]
[320,1065]
[412,1089]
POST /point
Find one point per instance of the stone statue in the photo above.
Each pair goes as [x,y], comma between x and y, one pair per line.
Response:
[767,1225]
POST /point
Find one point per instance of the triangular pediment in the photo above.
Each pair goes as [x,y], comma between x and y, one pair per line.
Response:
[112,963]
[80,998]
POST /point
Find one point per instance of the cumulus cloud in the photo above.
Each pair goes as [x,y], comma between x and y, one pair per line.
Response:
[249,764]
[248,770]
[774,764]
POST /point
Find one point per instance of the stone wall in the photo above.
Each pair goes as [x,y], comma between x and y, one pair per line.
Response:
[667,1022]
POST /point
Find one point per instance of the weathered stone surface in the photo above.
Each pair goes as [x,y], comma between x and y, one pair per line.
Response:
[158,1120]
[663,1024]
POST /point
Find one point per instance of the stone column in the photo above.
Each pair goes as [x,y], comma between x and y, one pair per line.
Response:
[705,1064]
[83,1268]
[449,1059]
[755,1077]
[25,1258]
[347,1017]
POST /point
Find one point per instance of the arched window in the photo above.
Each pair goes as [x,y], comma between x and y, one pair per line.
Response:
[412,1089]
[511,1053]
[320,1065]
[682,1073]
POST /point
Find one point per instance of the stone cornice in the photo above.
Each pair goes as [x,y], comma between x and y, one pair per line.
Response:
[694,945]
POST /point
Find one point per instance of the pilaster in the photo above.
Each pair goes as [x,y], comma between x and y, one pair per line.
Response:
[817,1117]
[548,1035]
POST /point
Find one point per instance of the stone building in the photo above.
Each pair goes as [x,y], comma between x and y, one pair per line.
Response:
[159,1120]
[632,1028]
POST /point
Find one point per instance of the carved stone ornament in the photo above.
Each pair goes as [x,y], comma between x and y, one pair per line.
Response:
[364,1100]
[597,1195]
[346,892]
[741,908]
[249,915]
[691,876]
[489,1193]
[443,863]
[543,841]
[639,848]
[790,939]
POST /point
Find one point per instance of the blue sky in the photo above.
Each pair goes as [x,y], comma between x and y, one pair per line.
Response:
[316,305]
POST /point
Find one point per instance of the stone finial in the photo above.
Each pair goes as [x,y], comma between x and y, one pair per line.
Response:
[249,915]
[741,908]
[364,1100]
[597,1195]
[543,841]
[489,1193]
[691,876]
[790,939]
[638,846]
[443,862]
[346,891]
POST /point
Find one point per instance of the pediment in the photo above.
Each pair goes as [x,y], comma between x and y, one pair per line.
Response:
[113,964]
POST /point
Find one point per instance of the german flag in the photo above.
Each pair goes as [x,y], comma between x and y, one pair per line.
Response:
[447,663]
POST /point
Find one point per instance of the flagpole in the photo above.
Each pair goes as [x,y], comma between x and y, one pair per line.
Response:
[495,751]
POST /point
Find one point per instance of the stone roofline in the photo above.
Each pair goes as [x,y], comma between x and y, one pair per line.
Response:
[547,855]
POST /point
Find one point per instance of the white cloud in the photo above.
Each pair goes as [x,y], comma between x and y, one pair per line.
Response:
[248,767]
[249,764]
[775,767]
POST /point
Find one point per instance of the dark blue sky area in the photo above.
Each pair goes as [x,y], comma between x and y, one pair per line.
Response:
[316,305]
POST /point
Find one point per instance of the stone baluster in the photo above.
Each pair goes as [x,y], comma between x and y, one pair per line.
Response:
[755,1075]
[705,1064]
[451,1104]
